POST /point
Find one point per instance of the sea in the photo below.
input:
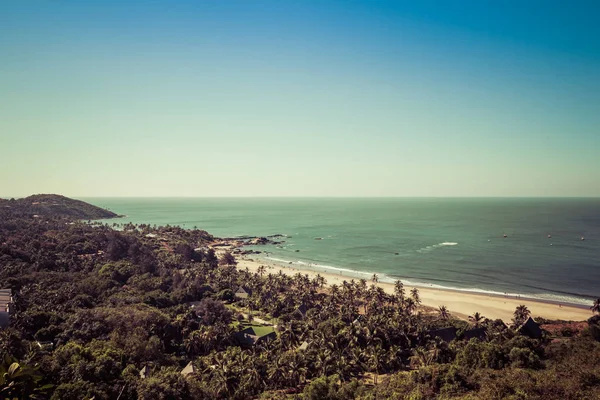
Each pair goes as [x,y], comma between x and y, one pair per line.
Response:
[541,248]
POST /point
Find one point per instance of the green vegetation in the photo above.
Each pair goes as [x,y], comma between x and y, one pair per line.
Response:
[53,205]
[107,314]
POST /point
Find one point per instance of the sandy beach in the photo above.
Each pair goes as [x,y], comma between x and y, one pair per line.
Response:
[460,304]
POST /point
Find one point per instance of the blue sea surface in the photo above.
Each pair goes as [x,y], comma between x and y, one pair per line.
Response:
[452,243]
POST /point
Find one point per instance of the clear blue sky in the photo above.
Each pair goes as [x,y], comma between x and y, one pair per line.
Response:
[300,98]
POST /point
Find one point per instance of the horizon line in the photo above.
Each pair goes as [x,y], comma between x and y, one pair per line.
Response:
[310,197]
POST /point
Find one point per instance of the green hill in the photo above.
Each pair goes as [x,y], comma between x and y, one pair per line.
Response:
[54,205]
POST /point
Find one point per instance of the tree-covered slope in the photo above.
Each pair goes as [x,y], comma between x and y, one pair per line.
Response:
[119,314]
[53,205]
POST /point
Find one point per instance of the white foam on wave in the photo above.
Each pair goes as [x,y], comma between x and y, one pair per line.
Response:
[435,246]
[319,266]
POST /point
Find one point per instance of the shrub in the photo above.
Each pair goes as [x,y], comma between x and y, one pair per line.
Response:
[478,354]
[524,358]
[566,331]
[225,295]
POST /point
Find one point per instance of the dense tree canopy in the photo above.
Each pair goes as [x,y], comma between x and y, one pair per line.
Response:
[109,313]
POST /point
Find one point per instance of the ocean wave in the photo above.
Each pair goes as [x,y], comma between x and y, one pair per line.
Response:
[435,246]
[315,266]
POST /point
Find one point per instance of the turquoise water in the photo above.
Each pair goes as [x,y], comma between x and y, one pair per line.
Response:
[450,243]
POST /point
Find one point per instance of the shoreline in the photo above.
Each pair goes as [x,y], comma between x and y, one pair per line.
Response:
[357,275]
[460,303]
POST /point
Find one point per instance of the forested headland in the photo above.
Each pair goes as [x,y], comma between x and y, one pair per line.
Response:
[145,312]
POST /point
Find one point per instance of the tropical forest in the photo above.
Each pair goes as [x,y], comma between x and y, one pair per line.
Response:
[122,311]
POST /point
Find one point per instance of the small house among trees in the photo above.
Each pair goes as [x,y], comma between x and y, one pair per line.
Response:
[530,328]
[189,369]
[243,292]
[249,337]
[303,346]
[475,333]
[446,334]
[301,310]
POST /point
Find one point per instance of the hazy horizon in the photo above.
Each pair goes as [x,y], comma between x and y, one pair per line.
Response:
[304,197]
[306,99]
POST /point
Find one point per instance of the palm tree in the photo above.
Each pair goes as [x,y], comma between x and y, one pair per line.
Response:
[375,361]
[415,295]
[410,306]
[362,284]
[521,314]
[261,270]
[421,357]
[443,310]
[193,343]
[476,319]
[335,289]
[320,280]
[399,289]
[596,306]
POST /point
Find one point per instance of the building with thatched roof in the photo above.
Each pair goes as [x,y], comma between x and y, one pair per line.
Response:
[189,369]
[243,292]
[301,310]
[475,333]
[303,346]
[249,337]
[531,329]
[446,334]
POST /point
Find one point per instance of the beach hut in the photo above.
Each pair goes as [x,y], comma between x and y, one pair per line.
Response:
[301,310]
[248,337]
[475,333]
[446,334]
[303,346]
[243,292]
[189,369]
[531,329]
